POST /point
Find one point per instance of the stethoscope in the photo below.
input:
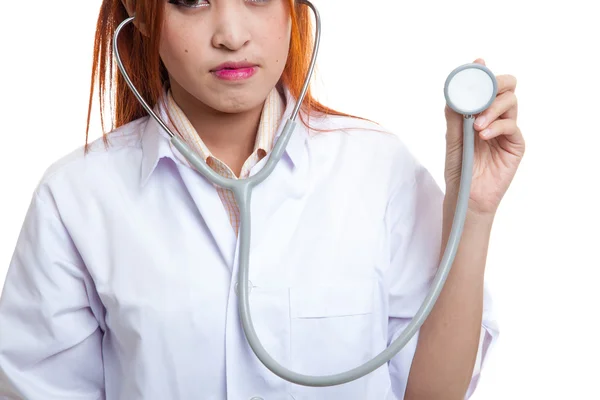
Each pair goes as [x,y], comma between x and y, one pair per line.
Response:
[469,89]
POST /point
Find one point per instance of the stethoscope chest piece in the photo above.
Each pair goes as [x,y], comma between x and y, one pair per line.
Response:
[470,89]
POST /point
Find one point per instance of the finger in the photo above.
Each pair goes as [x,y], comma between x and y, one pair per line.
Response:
[501,105]
[506,83]
[501,127]
[511,113]
[454,125]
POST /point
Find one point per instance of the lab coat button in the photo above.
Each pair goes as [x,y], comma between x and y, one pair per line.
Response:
[250,286]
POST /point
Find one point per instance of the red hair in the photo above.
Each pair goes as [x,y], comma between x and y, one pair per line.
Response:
[140,55]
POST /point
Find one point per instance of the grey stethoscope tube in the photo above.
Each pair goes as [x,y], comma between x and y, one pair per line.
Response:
[242,189]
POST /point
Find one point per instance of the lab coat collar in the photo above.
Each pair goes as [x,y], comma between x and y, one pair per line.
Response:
[156,142]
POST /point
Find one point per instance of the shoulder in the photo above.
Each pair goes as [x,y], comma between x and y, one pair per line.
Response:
[365,140]
[102,158]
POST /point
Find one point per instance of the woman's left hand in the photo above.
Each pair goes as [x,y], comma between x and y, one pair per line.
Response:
[497,155]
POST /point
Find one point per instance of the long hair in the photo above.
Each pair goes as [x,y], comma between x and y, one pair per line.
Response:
[140,56]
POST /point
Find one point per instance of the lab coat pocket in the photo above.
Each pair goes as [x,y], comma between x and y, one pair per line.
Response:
[331,325]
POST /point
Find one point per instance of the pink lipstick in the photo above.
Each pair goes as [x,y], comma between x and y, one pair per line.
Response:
[235,74]
[235,71]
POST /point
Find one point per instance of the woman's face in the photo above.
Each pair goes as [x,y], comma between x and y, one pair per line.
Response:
[200,35]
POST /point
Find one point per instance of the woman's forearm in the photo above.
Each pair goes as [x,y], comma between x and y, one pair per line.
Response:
[448,340]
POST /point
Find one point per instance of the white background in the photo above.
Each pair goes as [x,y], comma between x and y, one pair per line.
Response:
[543,257]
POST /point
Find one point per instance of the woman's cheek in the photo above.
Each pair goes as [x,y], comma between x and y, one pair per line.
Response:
[173,54]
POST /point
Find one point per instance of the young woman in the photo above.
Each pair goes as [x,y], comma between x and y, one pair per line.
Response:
[123,280]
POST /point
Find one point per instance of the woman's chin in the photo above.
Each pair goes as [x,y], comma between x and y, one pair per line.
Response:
[238,102]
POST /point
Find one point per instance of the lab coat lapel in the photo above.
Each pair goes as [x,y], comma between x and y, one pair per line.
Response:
[277,205]
[276,202]
[156,145]
[207,200]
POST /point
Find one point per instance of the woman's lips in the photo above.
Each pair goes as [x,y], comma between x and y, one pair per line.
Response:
[235,74]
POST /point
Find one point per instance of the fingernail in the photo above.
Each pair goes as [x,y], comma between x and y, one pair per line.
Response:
[486,133]
[480,121]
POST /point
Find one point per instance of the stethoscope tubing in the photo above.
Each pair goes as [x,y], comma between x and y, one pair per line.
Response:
[242,189]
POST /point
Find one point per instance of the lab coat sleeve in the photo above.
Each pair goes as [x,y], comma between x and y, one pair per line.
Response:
[415,222]
[50,337]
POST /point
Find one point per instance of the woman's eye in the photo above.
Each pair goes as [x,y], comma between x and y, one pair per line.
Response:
[202,3]
[189,3]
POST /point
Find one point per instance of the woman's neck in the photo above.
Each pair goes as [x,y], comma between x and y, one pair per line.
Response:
[230,137]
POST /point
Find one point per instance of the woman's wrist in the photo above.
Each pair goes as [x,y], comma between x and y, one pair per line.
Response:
[474,218]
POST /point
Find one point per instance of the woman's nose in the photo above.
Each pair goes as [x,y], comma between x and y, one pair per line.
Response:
[231,30]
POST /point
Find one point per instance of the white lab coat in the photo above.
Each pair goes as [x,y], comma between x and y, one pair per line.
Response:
[122,283]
